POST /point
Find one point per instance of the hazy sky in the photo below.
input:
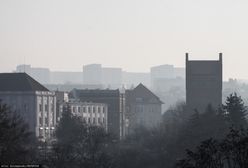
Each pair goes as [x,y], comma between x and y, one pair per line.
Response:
[132,34]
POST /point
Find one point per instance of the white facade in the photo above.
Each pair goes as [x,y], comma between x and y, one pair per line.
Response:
[38,109]
[91,113]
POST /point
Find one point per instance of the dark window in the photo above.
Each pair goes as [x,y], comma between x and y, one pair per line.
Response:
[89,109]
[94,109]
[40,121]
[46,121]
[79,109]
[46,107]
[40,107]
[84,109]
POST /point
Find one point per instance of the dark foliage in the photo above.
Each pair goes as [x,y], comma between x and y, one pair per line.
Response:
[79,145]
[235,110]
[230,152]
[15,139]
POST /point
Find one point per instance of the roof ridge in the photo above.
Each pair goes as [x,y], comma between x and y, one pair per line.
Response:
[32,80]
[140,84]
[19,82]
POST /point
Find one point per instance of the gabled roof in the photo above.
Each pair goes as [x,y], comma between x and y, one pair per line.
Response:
[19,82]
[144,93]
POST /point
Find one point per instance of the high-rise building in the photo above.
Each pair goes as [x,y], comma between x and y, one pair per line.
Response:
[92,74]
[203,83]
[112,77]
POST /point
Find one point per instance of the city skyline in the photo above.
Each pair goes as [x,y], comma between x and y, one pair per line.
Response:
[133,35]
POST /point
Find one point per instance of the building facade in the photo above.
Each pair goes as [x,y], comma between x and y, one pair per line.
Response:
[115,102]
[91,113]
[203,84]
[143,108]
[32,101]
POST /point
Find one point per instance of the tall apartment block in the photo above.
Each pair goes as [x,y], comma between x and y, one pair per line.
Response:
[203,83]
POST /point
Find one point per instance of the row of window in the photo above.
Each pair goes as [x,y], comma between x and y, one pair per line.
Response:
[46,121]
[46,107]
[89,109]
[93,120]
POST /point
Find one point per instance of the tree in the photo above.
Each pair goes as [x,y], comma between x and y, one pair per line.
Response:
[15,137]
[235,148]
[80,145]
[236,110]
[231,152]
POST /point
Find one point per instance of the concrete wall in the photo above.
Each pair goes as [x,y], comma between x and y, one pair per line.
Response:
[203,84]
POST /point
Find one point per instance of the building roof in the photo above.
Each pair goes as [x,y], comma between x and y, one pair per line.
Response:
[142,94]
[19,82]
[86,93]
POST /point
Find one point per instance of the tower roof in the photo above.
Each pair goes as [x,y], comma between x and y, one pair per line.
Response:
[19,82]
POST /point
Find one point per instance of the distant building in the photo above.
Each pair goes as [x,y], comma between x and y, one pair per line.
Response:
[113,99]
[35,103]
[161,72]
[165,73]
[179,72]
[92,74]
[143,108]
[203,83]
[112,77]
[131,79]
[63,77]
[90,113]
[42,75]
[165,85]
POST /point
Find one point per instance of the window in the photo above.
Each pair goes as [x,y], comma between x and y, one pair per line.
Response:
[46,121]
[103,110]
[79,109]
[99,120]
[40,133]
[46,107]
[89,109]
[40,121]
[40,107]
[94,109]
[103,120]
[74,109]
[84,109]
[88,120]
[94,120]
